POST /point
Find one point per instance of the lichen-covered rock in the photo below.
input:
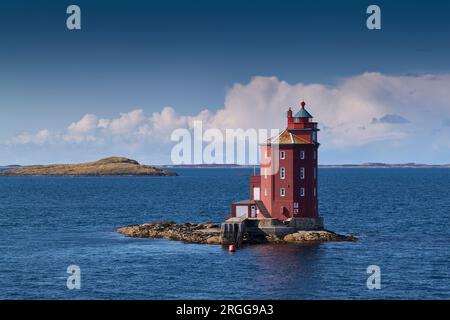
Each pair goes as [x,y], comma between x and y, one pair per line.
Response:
[209,233]
[187,232]
[317,236]
[213,240]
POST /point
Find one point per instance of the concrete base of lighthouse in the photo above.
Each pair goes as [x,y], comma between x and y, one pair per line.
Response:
[306,223]
[235,231]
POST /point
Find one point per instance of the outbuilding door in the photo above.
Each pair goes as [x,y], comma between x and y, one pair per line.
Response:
[253,211]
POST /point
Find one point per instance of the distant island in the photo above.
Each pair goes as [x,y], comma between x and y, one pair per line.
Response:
[4,168]
[113,166]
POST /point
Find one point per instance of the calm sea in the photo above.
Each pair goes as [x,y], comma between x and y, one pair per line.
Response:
[402,217]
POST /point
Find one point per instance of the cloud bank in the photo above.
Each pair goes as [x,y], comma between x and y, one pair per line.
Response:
[359,111]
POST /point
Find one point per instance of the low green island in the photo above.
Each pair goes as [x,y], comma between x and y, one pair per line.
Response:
[112,166]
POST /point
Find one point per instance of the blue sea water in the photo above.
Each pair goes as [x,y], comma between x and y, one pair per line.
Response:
[48,223]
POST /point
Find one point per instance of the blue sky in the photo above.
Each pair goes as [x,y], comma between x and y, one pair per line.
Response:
[193,55]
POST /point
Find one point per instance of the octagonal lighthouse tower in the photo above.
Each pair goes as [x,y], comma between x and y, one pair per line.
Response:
[286,188]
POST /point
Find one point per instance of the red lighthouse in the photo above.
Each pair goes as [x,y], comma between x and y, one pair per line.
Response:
[286,188]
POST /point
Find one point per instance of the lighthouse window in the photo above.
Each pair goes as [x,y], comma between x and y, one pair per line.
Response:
[302,192]
[265,173]
[315,192]
[282,173]
[315,173]
[265,192]
[302,173]
[282,155]
[302,155]
[282,192]
[315,155]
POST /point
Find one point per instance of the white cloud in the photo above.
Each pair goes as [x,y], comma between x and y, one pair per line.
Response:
[39,137]
[85,124]
[161,124]
[127,122]
[345,112]
[82,130]
[103,123]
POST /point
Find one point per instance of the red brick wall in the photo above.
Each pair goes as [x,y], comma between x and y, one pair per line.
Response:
[292,183]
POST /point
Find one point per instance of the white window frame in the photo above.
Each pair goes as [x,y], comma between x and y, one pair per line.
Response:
[265,192]
[302,155]
[257,194]
[282,155]
[302,173]
[282,192]
[265,173]
[302,192]
[282,173]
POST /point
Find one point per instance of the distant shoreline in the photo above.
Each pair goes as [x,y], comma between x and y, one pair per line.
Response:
[338,166]
[386,166]
[323,166]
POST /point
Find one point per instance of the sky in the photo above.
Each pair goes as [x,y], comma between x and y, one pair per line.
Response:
[137,70]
